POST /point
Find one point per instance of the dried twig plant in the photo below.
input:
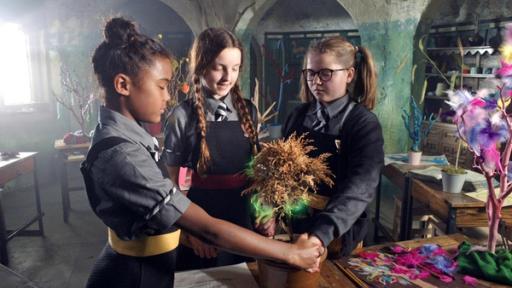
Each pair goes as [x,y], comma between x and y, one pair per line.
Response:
[284,176]
[77,97]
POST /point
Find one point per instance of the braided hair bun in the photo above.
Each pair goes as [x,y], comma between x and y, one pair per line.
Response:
[119,32]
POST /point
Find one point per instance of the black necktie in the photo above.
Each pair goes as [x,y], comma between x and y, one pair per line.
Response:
[321,123]
[221,113]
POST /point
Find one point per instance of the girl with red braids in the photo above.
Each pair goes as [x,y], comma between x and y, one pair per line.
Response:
[213,132]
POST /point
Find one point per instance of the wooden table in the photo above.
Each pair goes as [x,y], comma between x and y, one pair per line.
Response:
[332,276]
[447,242]
[398,174]
[67,154]
[457,210]
[24,163]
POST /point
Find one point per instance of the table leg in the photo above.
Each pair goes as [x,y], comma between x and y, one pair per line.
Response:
[4,258]
[64,187]
[38,200]
[451,226]
[406,212]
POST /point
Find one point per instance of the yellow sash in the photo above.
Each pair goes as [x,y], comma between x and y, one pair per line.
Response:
[145,246]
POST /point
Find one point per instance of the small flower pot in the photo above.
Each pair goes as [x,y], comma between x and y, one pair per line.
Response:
[453,183]
[278,275]
[414,157]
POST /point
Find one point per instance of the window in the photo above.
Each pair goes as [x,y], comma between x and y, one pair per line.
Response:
[15,70]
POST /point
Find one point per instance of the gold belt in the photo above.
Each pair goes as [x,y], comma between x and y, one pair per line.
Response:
[145,246]
[317,201]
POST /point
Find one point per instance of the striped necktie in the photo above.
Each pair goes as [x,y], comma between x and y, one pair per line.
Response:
[221,113]
[321,123]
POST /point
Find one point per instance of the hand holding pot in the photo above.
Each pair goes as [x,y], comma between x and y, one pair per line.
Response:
[306,253]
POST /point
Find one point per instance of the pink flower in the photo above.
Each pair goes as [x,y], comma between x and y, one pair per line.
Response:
[468,280]
[400,270]
[491,158]
[439,252]
[398,249]
[420,275]
[409,259]
[505,70]
[369,255]
[446,278]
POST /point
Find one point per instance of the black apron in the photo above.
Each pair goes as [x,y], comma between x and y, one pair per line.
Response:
[230,152]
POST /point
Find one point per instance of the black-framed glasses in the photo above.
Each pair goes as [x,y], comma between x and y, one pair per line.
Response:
[324,74]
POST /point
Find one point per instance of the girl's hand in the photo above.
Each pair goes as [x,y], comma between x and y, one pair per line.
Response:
[306,253]
[266,228]
[200,248]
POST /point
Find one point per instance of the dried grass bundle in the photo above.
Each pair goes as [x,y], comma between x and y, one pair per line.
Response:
[283,173]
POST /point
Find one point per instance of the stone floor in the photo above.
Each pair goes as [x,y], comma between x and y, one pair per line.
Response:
[64,257]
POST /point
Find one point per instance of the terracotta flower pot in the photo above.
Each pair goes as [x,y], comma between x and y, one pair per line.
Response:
[280,275]
[414,157]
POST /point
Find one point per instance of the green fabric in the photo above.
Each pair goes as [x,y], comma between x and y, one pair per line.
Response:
[485,265]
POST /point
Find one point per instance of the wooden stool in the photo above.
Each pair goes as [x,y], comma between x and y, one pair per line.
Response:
[65,189]
[427,225]
[66,154]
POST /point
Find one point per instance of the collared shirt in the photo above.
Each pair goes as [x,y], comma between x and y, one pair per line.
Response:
[135,199]
[181,128]
[212,104]
[335,110]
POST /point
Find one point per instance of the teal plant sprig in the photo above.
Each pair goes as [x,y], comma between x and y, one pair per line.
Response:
[413,122]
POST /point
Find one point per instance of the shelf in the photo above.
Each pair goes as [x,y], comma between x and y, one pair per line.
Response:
[463,75]
[467,50]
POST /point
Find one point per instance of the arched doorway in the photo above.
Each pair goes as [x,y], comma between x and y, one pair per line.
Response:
[283,35]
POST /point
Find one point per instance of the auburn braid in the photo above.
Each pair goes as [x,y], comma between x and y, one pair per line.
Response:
[245,117]
[204,155]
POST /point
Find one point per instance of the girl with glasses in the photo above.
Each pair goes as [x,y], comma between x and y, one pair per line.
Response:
[338,87]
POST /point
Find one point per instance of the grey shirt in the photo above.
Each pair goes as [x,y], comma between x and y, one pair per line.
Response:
[336,111]
[135,199]
[181,128]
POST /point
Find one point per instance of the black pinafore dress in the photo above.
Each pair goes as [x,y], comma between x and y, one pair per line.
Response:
[219,194]
[332,144]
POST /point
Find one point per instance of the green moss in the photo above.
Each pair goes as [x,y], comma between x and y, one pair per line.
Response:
[452,170]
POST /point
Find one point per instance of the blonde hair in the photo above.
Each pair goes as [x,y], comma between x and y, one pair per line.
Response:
[207,46]
[363,88]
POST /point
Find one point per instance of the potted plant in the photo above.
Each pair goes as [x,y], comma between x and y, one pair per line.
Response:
[413,122]
[453,177]
[284,176]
